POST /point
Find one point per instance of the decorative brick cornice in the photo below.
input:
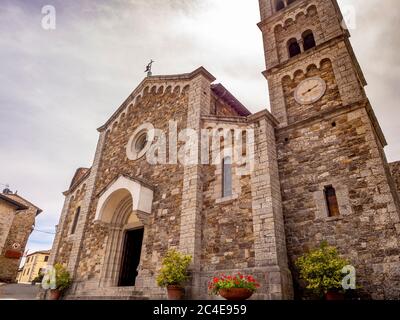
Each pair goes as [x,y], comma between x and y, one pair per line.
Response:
[185,77]
[289,10]
[237,119]
[230,119]
[295,61]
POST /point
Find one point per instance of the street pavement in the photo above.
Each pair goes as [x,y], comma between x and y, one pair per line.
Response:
[18,291]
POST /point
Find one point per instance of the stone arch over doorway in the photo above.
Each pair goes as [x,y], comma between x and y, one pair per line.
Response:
[124,208]
[141,193]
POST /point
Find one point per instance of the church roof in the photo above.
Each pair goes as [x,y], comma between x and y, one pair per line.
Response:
[228,97]
[78,176]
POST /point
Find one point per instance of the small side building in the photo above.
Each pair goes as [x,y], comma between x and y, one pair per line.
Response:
[17,219]
[35,264]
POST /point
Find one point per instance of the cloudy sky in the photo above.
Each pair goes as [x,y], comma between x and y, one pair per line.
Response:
[58,86]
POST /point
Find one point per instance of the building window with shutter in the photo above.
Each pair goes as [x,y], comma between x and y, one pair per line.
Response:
[76,218]
[331,201]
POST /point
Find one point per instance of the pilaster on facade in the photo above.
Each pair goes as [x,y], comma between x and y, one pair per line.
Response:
[190,235]
[268,225]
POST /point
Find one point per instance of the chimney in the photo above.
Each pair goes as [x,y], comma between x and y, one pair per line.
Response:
[7,190]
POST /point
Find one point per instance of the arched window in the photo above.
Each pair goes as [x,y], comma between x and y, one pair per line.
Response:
[75,222]
[308,40]
[293,47]
[331,201]
[226,177]
[280,5]
[244,142]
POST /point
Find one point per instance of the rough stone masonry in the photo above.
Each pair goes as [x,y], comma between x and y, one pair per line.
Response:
[321,135]
[17,220]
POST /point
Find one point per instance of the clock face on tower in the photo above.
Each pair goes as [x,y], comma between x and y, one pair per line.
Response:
[310,90]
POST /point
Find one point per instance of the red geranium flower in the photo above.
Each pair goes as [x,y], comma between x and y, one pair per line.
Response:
[233,281]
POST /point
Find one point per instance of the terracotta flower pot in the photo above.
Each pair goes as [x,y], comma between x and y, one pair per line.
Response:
[236,294]
[334,296]
[55,294]
[175,292]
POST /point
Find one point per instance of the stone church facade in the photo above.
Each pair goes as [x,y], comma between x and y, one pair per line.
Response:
[318,172]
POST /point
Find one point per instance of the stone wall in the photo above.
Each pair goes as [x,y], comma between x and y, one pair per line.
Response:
[19,232]
[225,220]
[395,170]
[64,250]
[335,141]
[22,227]
[244,232]
[7,266]
[316,154]
[348,80]
[6,219]
[220,107]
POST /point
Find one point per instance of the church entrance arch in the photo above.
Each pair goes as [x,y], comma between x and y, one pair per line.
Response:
[124,208]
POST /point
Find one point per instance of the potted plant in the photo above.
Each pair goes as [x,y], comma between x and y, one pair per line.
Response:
[174,273]
[321,269]
[63,281]
[38,279]
[234,288]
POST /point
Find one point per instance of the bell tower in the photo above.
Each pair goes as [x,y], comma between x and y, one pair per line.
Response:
[306,39]
[335,180]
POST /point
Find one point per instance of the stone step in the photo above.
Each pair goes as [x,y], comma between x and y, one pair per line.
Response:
[87,297]
[114,293]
